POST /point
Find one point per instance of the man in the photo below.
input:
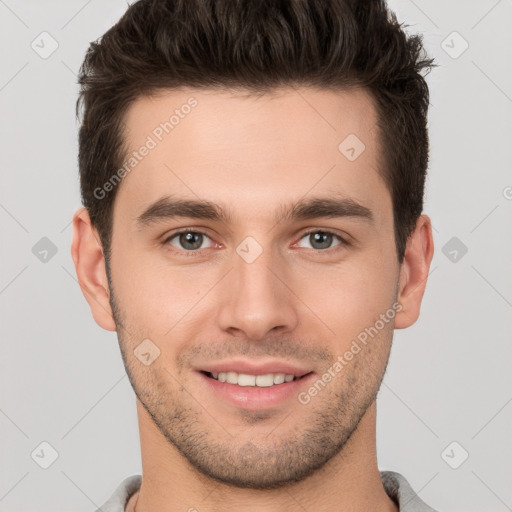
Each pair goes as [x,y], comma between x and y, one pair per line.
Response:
[252,174]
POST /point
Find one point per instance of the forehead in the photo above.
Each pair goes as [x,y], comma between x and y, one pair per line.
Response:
[249,151]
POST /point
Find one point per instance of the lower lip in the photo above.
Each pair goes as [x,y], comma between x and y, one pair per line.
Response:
[254,397]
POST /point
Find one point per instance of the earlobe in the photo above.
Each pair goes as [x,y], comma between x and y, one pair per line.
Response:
[89,261]
[414,272]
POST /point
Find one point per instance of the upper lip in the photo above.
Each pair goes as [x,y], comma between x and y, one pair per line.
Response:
[254,368]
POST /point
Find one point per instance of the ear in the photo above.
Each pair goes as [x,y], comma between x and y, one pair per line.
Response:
[87,254]
[414,272]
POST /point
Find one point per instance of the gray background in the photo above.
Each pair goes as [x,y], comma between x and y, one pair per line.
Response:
[449,379]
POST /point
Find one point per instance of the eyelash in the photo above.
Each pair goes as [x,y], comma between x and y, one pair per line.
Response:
[343,241]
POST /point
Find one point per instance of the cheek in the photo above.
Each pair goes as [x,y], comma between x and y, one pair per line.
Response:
[351,296]
[160,300]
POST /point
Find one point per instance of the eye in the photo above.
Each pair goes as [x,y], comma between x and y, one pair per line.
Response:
[188,240]
[192,241]
[322,240]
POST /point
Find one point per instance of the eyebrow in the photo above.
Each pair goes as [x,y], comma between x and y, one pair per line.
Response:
[168,208]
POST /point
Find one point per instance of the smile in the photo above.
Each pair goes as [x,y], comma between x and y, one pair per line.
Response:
[244,379]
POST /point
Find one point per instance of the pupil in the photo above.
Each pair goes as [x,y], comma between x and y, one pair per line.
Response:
[188,238]
[317,237]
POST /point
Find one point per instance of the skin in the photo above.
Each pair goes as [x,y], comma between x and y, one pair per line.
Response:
[295,302]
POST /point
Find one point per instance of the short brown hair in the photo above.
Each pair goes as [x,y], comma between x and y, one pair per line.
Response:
[257,45]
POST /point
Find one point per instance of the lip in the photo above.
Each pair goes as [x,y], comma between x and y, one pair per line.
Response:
[254,368]
[255,398]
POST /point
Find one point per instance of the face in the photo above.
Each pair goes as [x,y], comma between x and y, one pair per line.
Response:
[286,268]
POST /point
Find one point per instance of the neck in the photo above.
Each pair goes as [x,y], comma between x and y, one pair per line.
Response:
[349,481]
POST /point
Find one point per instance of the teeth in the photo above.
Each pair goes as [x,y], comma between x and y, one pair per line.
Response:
[232,378]
[265,380]
[243,379]
[280,377]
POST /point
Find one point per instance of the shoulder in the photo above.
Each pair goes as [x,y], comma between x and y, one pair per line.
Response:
[400,491]
[123,492]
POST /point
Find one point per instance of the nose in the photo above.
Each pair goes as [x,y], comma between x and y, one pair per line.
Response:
[258,297]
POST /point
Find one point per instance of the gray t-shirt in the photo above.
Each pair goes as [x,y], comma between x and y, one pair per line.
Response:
[396,486]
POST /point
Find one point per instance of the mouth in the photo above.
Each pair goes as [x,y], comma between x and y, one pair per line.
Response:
[250,380]
[254,384]
[251,392]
